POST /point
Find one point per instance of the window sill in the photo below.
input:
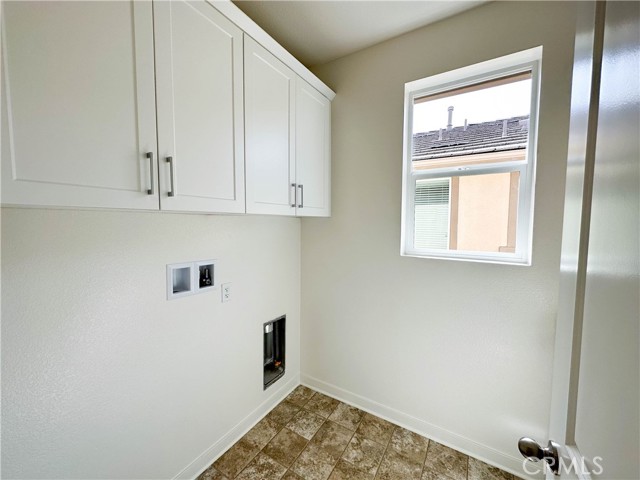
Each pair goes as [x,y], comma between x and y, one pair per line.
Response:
[499,259]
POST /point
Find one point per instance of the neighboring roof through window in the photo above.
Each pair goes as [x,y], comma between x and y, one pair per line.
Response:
[495,136]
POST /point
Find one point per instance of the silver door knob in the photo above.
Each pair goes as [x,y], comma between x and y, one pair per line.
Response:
[531,450]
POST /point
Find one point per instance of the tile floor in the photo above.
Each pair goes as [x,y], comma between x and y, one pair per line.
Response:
[310,436]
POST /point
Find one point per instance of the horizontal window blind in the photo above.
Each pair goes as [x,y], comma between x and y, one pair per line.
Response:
[432,206]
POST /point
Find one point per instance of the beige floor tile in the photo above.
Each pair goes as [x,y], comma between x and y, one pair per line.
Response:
[332,438]
[321,405]
[347,416]
[305,424]
[429,474]
[364,454]
[262,433]
[396,467]
[310,436]
[236,458]
[376,429]
[283,412]
[447,461]
[481,471]
[291,476]
[285,447]
[346,471]
[300,396]
[212,473]
[409,444]
[314,463]
[262,468]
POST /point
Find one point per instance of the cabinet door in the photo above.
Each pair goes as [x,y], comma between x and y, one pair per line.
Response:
[200,124]
[313,151]
[269,100]
[78,104]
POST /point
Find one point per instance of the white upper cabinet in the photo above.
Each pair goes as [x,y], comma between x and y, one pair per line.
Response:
[313,151]
[288,142]
[270,89]
[164,105]
[200,108]
[78,105]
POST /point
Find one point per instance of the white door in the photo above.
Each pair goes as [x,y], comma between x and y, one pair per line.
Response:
[313,152]
[78,104]
[200,125]
[595,405]
[269,128]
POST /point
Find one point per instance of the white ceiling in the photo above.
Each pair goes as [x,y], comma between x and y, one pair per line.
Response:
[316,32]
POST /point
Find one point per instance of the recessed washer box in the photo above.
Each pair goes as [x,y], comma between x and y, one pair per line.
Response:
[205,273]
[184,279]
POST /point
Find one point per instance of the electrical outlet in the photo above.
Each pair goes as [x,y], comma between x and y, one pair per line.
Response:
[226,292]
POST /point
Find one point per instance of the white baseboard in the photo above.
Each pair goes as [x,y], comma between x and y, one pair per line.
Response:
[465,445]
[211,454]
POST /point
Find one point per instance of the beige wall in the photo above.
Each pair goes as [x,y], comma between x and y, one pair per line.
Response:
[102,377]
[457,350]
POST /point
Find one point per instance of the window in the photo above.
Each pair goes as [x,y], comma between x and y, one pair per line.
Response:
[469,161]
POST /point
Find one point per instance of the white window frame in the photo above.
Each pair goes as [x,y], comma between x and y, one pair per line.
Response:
[528,60]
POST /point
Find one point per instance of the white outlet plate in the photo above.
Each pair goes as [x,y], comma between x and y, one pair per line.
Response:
[226,292]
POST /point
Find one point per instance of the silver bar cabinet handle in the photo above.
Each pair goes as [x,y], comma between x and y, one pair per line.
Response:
[170,162]
[293,185]
[150,157]
[301,204]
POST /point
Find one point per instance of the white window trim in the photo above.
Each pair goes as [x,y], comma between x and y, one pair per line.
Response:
[528,60]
